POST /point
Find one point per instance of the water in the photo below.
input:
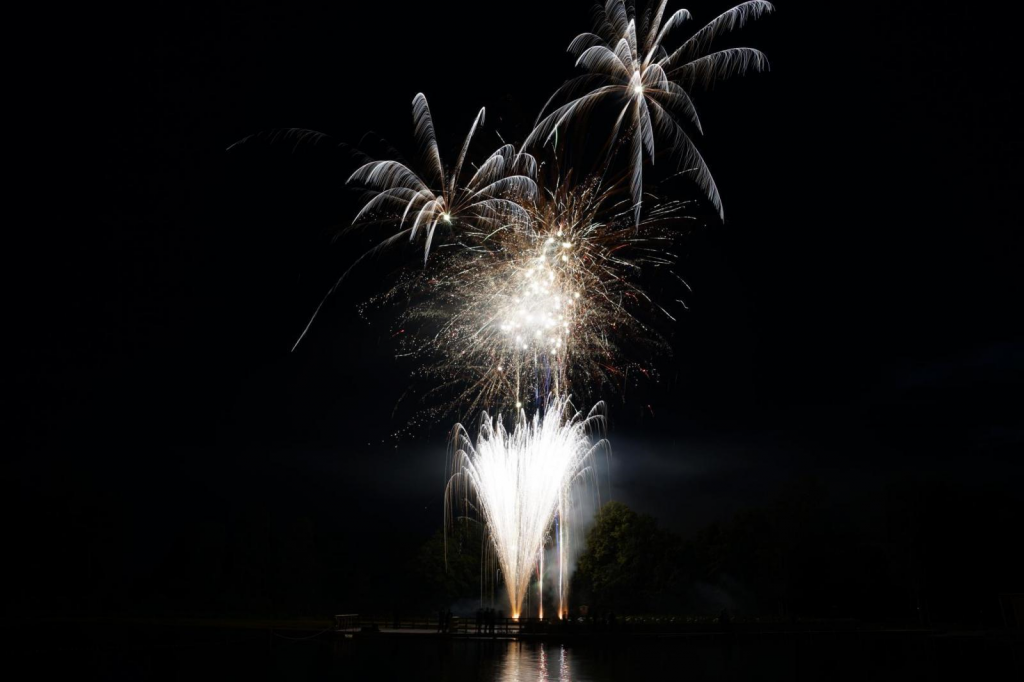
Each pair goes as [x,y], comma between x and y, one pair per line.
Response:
[176,653]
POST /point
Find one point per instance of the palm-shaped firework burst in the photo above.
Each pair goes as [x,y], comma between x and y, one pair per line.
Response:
[491,196]
[630,65]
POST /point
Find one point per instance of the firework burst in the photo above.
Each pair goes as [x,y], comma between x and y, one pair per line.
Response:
[489,198]
[629,64]
[505,318]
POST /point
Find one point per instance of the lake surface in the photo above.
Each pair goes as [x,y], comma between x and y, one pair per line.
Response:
[175,653]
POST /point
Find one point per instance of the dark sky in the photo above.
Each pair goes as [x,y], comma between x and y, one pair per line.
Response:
[855,319]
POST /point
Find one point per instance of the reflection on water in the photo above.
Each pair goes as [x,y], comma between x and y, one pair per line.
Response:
[176,653]
[536,663]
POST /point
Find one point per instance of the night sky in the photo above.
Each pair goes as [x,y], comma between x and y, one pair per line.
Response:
[855,319]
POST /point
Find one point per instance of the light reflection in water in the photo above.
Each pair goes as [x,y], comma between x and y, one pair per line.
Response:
[529,663]
[563,667]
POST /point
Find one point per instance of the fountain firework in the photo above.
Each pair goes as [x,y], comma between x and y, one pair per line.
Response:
[516,482]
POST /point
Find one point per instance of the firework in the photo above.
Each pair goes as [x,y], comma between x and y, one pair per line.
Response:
[517,481]
[502,319]
[412,203]
[485,200]
[533,280]
[630,65]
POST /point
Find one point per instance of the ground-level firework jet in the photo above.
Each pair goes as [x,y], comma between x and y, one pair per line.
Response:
[531,288]
[517,482]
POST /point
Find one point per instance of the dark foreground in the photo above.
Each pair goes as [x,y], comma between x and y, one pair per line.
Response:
[181,651]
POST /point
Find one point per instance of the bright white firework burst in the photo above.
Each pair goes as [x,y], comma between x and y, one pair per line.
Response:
[555,304]
[627,62]
[487,199]
[518,481]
